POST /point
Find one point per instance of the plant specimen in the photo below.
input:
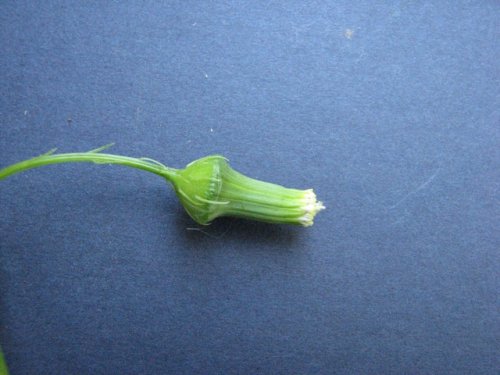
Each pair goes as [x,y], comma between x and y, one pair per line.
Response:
[207,188]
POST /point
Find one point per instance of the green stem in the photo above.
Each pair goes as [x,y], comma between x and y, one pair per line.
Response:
[3,366]
[91,157]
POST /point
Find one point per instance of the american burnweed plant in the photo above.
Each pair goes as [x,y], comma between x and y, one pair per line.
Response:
[207,188]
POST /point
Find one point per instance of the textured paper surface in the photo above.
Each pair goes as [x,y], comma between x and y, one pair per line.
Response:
[390,112]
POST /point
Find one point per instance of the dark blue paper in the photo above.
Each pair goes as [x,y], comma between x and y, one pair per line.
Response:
[390,111]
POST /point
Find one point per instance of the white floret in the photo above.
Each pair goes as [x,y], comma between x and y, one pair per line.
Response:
[311,207]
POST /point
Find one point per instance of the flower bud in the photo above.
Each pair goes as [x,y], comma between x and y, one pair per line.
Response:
[209,188]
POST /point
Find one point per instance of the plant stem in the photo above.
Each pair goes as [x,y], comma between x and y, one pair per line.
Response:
[3,366]
[90,157]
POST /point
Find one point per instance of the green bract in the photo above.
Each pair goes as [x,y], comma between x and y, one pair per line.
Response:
[207,188]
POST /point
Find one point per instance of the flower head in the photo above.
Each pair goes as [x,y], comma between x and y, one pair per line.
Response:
[209,188]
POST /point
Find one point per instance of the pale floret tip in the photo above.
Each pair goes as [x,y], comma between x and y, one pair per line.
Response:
[311,207]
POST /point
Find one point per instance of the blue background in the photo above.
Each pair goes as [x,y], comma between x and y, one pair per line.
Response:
[389,110]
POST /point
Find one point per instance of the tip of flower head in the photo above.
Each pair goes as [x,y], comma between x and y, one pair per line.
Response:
[311,207]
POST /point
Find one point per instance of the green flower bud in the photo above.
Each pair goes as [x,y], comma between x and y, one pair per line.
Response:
[209,188]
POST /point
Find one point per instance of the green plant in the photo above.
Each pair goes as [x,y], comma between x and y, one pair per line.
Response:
[3,366]
[207,188]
